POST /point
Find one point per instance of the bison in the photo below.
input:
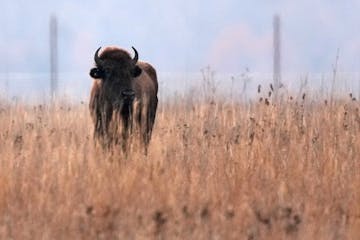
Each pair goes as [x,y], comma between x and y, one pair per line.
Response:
[123,95]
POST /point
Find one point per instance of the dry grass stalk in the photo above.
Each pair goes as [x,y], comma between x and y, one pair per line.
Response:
[214,170]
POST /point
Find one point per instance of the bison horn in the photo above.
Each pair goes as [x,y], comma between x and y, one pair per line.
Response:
[136,57]
[97,58]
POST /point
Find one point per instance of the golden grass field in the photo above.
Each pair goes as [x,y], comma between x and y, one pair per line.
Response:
[214,170]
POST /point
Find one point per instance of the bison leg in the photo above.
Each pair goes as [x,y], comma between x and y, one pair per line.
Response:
[152,115]
[148,123]
[98,123]
[102,117]
[126,119]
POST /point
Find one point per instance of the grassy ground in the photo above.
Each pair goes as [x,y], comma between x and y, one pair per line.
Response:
[215,170]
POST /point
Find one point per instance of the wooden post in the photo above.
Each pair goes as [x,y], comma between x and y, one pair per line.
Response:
[53,57]
[277,55]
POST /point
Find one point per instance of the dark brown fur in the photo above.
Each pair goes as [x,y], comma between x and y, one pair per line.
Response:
[107,108]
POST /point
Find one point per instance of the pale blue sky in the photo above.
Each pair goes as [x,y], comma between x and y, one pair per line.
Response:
[183,35]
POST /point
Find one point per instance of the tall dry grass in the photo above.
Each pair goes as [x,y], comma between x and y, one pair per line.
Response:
[215,170]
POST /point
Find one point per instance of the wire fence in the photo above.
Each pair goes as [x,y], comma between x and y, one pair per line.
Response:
[35,87]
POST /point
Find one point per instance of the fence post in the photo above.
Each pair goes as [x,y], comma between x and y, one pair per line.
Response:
[277,56]
[53,57]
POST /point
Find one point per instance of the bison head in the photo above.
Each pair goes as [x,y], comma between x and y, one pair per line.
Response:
[116,69]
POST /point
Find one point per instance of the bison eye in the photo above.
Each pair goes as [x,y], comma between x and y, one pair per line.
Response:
[96,73]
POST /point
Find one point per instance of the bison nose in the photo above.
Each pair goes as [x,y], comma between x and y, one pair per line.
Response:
[128,94]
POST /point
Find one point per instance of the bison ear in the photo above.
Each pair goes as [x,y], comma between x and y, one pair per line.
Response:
[96,73]
[136,71]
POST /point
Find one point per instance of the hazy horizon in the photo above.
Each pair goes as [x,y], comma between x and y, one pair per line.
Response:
[183,36]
